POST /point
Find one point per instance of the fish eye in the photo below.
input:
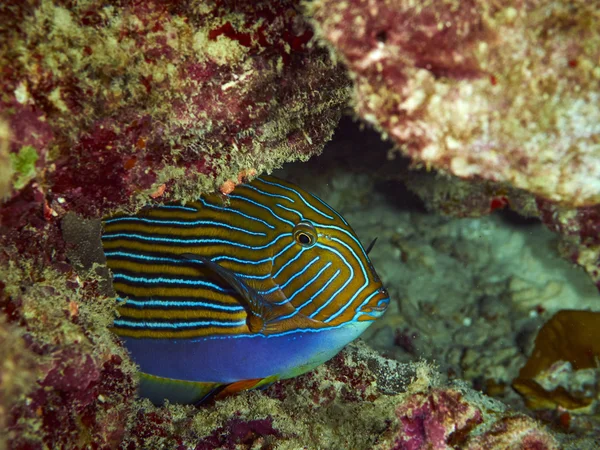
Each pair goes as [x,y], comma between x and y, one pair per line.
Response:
[305,234]
[303,238]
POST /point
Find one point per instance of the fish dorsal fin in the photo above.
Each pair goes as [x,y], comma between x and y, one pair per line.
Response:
[260,311]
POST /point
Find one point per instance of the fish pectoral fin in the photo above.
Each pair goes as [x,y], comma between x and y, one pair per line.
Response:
[244,385]
[258,309]
[158,389]
[299,321]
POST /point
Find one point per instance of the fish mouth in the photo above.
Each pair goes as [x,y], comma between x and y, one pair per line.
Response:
[377,306]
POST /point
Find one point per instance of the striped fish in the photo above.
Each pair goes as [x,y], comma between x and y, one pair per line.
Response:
[234,292]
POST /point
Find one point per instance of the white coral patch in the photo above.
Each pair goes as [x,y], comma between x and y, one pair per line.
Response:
[374,56]
[22,93]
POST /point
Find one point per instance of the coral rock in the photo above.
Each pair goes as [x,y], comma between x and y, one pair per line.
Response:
[447,418]
[435,420]
[483,90]
[515,433]
[160,99]
[109,106]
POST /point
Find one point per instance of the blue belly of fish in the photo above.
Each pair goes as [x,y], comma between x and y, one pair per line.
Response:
[231,359]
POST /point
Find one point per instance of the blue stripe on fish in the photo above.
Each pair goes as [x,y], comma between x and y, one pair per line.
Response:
[266,208]
[179,304]
[167,240]
[177,325]
[183,223]
[233,211]
[300,196]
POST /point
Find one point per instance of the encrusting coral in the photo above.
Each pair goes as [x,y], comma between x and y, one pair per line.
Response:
[482,90]
[106,106]
[114,105]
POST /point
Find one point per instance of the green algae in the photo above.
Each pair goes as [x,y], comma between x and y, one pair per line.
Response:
[17,378]
[71,322]
[23,165]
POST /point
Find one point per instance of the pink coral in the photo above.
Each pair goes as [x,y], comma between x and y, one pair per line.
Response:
[444,418]
[514,433]
[435,420]
[500,91]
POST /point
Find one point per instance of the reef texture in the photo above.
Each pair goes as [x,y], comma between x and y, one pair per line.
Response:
[340,405]
[501,98]
[77,389]
[501,91]
[111,104]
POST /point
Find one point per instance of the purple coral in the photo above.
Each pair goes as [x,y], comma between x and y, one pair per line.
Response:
[237,432]
[435,420]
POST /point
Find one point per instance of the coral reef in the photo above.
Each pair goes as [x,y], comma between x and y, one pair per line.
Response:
[436,420]
[339,405]
[470,292]
[445,418]
[80,380]
[111,106]
[503,97]
[514,433]
[85,385]
[482,90]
